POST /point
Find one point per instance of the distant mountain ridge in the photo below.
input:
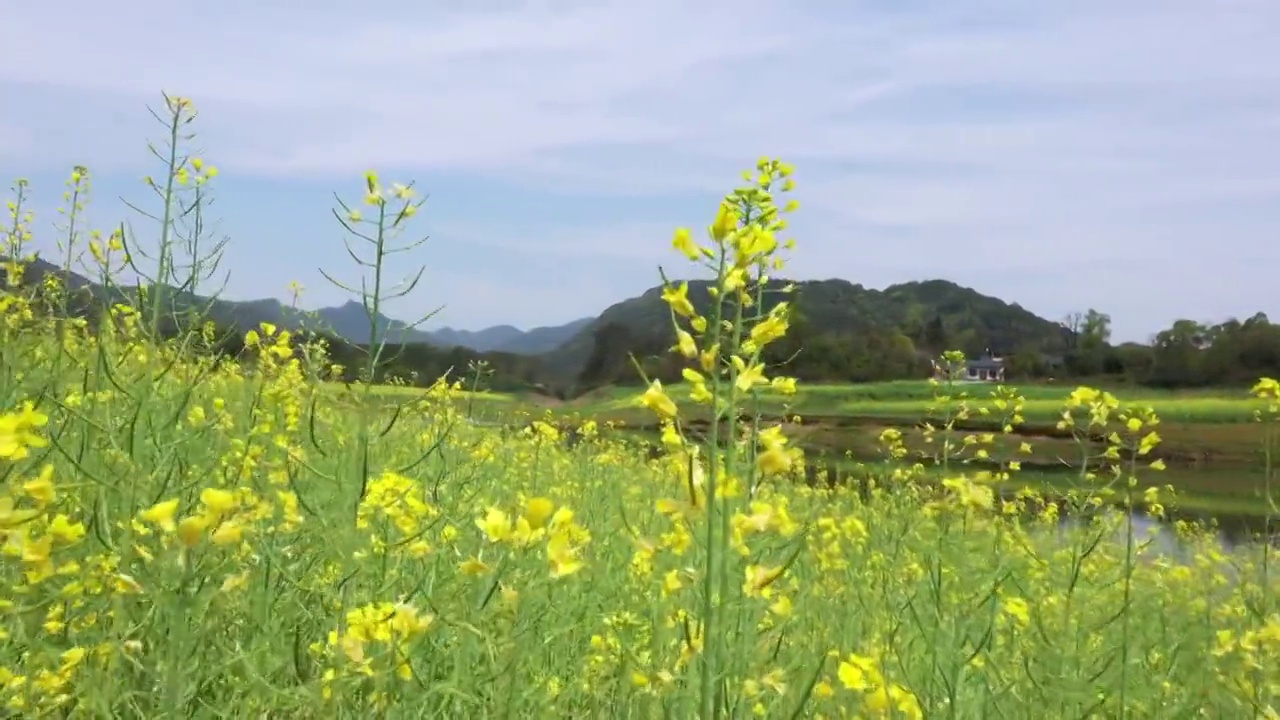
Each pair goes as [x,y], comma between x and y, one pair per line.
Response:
[835,307]
[350,321]
[505,338]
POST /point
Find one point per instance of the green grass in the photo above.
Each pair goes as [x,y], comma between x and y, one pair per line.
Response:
[1042,402]
[895,390]
[1182,410]
[400,392]
[900,400]
[911,401]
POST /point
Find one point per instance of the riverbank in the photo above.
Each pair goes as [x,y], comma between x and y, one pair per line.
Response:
[1211,443]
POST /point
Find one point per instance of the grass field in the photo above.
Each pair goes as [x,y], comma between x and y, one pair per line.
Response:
[912,401]
[188,540]
[1210,436]
[907,401]
[410,392]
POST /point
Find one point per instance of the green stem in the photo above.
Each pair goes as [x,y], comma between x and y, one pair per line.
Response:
[710,626]
[1128,586]
[165,261]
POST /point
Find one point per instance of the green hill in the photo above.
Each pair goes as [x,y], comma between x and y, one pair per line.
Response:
[843,328]
[841,331]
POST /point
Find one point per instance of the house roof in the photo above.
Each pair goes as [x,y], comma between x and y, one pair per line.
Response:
[985,364]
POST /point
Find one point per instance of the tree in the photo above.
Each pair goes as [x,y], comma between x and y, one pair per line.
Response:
[1176,354]
[1134,361]
[1025,363]
[1071,326]
[1088,342]
[1237,352]
[1096,329]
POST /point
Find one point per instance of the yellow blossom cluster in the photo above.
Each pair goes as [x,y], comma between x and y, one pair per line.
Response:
[304,529]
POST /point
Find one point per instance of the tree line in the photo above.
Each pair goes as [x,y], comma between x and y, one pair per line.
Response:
[1187,354]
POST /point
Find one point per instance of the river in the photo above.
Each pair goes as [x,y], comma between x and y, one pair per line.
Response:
[1227,499]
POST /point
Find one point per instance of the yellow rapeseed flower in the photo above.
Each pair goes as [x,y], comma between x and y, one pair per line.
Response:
[686,344]
[562,555]
[496,525]
[191,530]
[17,432]
[725,223]
[41,489]
[677,297]
[537,511]
[656,399]
[162,515]
[683,241]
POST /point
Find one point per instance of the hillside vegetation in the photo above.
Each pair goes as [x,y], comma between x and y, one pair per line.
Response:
[847,332]
[840,332]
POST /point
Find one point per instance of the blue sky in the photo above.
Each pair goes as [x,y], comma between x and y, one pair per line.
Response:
[1063,155]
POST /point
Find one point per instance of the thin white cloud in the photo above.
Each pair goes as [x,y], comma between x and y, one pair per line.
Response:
[994,136]
[643,242]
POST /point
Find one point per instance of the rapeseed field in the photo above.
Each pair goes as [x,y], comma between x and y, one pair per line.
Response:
[191,537]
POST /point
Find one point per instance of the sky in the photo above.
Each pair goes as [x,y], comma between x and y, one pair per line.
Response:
[1061,154]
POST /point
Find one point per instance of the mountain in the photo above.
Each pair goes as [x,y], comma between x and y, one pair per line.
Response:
[348,321]
[505,338]
[840,330]
[961,317]
[87,294]
[544,339]
[487,339]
